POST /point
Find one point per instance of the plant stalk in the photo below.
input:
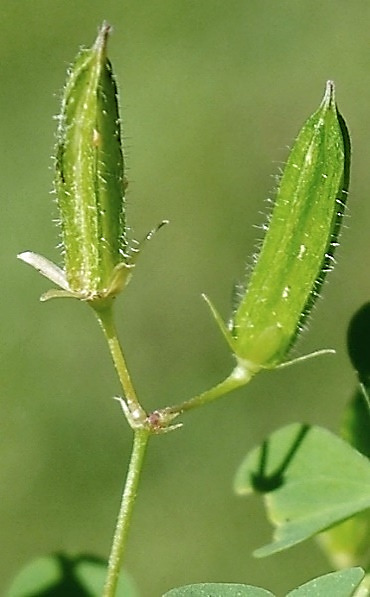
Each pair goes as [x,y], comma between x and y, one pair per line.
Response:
[141,437]
[240,376]
[143,428]
[137,413]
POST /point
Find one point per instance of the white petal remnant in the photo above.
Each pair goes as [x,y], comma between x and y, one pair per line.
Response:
[47,268]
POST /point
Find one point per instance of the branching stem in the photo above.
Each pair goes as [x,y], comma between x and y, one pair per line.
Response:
[240,376]
[144,426]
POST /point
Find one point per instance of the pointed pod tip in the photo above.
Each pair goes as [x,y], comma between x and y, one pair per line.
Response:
[101,41]
[330,85]
[329,95]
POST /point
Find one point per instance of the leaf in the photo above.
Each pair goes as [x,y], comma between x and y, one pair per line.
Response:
[59,575]
[218,590]
[36,577]
[347,544]
[358,348]
[311,480]
[335,584]
[358,342]
[355,426]
[92,576]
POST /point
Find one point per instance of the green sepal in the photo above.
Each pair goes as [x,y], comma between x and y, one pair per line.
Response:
[220,322]
[251,367]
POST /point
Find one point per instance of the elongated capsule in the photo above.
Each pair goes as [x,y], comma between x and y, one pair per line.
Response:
[89,172]
[89,184]
[299,243]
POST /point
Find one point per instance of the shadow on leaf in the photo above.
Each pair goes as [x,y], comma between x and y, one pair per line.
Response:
[264,482]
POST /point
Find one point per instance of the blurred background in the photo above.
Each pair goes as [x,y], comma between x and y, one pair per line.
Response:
[212,95]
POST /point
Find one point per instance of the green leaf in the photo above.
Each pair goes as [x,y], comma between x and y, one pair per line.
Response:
[347,544]
[355,425]
[358,342]
[359,348]
[36,577]
[218,590]
[301,236]
[311,480]
[92,576]
[335,584]
[59,575]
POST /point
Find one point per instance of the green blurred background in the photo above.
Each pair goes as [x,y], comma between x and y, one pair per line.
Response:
[212,94]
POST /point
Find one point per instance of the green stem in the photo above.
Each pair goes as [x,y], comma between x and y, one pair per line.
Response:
[240,376]
[106,320]
[141,438]
[143,427]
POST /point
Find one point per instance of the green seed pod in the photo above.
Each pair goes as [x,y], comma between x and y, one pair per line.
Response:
[89,177]
[90,185]
[298,247]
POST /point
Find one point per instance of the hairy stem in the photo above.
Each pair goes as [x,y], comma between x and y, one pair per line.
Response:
[106,320]
[240,376]
[141,438]
[143,426]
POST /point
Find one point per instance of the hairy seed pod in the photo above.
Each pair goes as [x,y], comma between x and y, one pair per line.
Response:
[90,186]
[298,247]
[89,172]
